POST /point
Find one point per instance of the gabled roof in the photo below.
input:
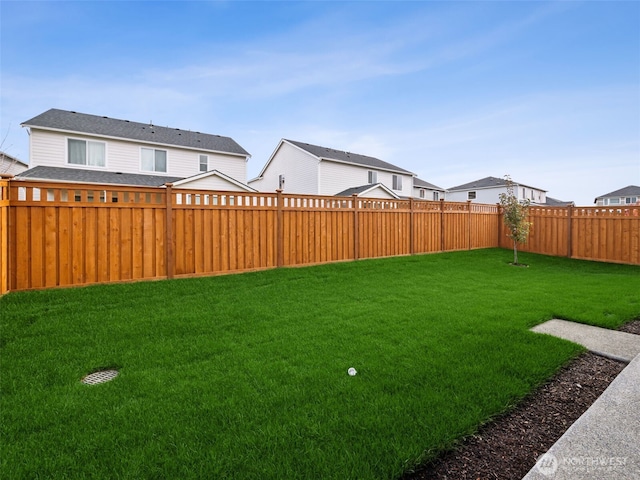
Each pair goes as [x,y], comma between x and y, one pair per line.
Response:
[419,183]
[630,191]
[363,190]
[488,182]
[77,175]
[325,153]
[554,202]
[74,122]
[214,173]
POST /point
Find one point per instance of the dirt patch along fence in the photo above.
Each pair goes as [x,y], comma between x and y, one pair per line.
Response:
[56,234]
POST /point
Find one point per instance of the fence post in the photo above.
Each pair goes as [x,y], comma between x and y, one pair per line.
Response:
[469,225]
[279,229]
[499,225]
[5,268]
[411,231]
[356,227]
[569,232]
[169,258]
[442,224]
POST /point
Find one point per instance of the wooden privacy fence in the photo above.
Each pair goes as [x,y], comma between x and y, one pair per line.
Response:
[609,234]
[56,234]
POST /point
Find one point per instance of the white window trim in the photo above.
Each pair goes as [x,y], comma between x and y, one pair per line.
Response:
[154,149]
[200,162]
[85,166]
[373,175]
[395,183]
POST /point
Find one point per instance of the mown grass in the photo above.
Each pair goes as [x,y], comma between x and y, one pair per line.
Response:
[245,376]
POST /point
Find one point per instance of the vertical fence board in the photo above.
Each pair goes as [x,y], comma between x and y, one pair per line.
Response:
[66,234]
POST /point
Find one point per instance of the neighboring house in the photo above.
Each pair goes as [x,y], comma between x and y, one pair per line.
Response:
[11,165]
[427,191]
[77,147]
[297,167]
[488,190]
[625,196]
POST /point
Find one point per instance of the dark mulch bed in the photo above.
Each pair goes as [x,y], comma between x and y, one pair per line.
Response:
[509,446]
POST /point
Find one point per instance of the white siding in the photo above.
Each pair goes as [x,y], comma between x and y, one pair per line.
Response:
[11,168]
[492,195]
[483,195]
[50,149]
[428,193]
[299,168]
[336,177]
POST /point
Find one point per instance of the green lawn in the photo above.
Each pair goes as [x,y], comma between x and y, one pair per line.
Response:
[245,376]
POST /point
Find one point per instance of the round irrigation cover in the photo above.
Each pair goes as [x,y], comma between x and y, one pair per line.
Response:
[100,377]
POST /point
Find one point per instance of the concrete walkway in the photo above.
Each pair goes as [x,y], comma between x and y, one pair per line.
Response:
[604,443]
[620,346]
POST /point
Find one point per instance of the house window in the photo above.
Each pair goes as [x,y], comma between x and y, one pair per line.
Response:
[204,163]
[471,196]
[436,195]
[397,182]
[154,160]
[422,193]
[614,201]
[630,200]
[372,177]
[85,152]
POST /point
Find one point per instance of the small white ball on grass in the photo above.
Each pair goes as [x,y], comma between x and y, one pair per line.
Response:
[352,372]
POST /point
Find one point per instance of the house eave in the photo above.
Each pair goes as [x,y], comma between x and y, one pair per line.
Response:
[133,140]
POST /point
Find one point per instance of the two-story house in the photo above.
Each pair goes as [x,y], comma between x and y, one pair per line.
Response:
[298,167]
[625,196]
[77,147]
[427,191]
[487,190]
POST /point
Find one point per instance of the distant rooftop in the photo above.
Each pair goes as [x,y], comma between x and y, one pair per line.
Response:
[74,122]
[418,182]
[630,191]
[489,182]
[348,157]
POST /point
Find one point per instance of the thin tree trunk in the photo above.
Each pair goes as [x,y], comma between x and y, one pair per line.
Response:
[515,253]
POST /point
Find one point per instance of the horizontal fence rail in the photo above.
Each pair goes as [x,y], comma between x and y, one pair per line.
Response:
[58,234]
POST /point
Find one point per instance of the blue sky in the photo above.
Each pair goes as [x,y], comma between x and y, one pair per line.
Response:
[547,92]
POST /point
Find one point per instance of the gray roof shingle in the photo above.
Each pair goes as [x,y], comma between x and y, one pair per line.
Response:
[79,175]
[488,182]
[68,121]
[630,191]
[554,202]
[348,157]
[419,183]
